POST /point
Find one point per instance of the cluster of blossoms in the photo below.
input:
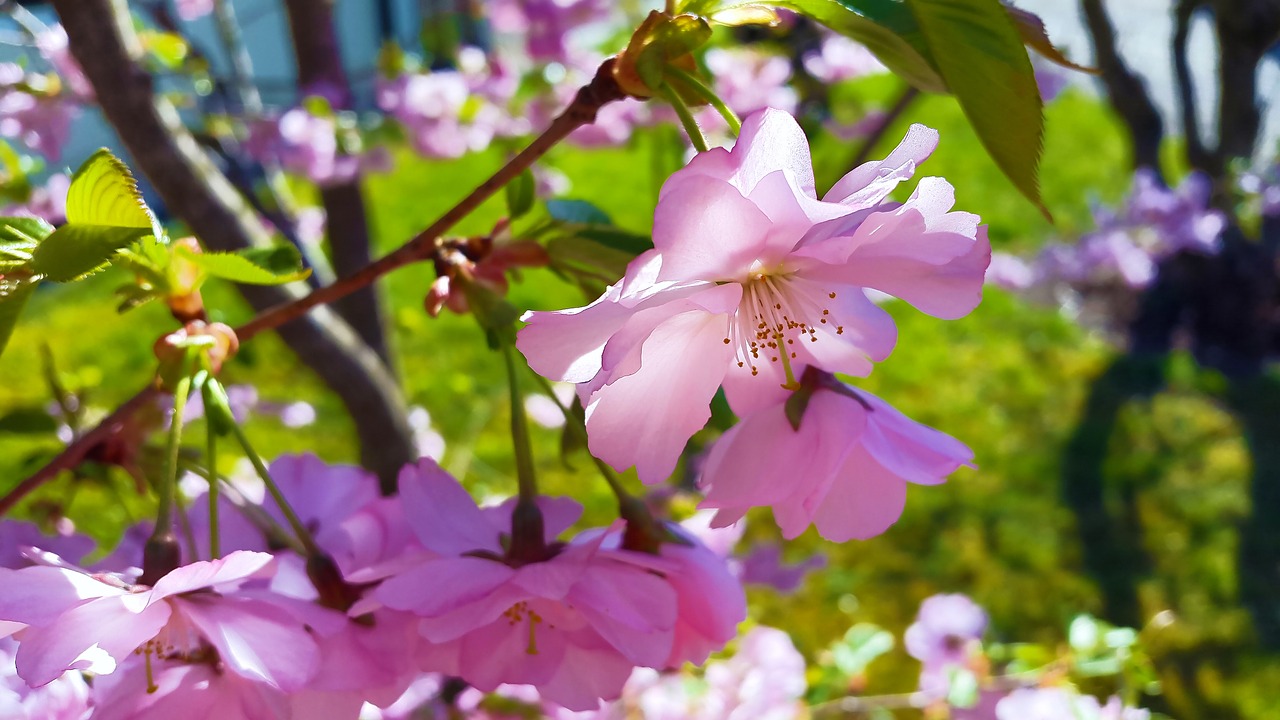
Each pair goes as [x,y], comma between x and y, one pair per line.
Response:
[946,638]
[757,286]
[434,586]
[1098,278]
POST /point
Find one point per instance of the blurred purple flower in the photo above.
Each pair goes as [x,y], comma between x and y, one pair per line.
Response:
[840,58]
[17,536]
[943,637]
[764,565]
[66,698]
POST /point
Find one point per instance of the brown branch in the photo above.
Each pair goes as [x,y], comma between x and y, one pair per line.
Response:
[1125,90]
[318,57]
[74,454]
[1197,154]
[599,92]
[602,90]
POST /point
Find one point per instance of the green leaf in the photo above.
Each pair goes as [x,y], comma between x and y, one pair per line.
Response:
[73,251]
[19,237]
[251,267]
[580,251]
[14,294]
[105,212]
[577,211]
[980,55]
[885,27]
[28,421]
[103,192]
[520,195]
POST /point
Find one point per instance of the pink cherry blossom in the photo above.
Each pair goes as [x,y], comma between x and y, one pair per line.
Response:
[16,537]
[846,468]
[194,9]
[78,621]
[751,280]
[66,698]
[573,625]
[168,689]
[840,58]
[945,634]
[711,602]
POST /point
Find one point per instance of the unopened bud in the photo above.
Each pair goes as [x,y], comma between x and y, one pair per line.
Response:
[160,556]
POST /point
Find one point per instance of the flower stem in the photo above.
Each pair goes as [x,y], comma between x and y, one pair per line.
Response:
[300,530]
[575,425]
[696,84]
[168,483]
[525,473]
[211,459]
[686,117]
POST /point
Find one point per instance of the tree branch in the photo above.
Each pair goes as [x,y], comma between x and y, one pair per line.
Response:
[602,90]
[1125,90]
[319,61]
[1197,154]
[103,41]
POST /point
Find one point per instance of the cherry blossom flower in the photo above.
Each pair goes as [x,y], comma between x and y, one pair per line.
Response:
[848,465]
[751,280]
[66,698]
[16,537]
[944,636]
[194,9]
[573,625]
[78,621]
[839,59]
[166,689]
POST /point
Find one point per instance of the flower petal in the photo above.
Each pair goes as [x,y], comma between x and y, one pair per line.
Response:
[96,636]
[706,230]
[224,572]
[645,418]
[870,183]
[862,502]
[445,517]
[255,639]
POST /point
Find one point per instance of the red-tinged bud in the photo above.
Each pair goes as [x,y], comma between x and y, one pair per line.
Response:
[217,341]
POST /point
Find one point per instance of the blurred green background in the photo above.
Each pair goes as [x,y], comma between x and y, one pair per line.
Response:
[1009,380]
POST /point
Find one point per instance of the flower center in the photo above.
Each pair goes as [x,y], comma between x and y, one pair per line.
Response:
[520,612]
[776,311]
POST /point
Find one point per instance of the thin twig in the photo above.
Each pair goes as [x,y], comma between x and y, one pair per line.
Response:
[582,111]
[602,90]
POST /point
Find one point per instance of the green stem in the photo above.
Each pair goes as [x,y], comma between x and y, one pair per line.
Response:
[525,474]
[705,92]
[686,117]
[211,459]
[168,483]
[300,530]
[575,425]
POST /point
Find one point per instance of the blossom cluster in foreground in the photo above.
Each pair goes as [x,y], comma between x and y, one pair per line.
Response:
[757,286]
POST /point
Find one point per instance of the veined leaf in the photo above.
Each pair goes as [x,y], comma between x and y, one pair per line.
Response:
[103,192]
[105,212]
[980,55]
[520,194]
[251,267]
[1032,31]
[14,294]
[73,251]
[19,237]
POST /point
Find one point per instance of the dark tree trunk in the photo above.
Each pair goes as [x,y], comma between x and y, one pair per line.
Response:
[319,59]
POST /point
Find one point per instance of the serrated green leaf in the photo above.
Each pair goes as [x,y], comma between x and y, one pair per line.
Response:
[13,297]
[279,259]
[617,238]
[979,53]
[28,421]
[103,192]
[579,212]
[242,268]
[885,27]
[18,240]
[520,195]
[74,251]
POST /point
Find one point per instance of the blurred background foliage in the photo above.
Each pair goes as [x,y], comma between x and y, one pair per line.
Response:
[1009,380]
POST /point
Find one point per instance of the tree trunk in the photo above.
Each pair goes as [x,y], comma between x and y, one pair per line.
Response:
[103,41]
